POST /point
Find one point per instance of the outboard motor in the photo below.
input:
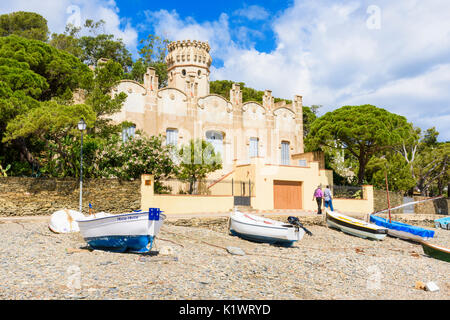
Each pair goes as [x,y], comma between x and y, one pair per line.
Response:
[296,222]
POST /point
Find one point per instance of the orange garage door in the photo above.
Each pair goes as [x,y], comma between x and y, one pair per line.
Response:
[287,194]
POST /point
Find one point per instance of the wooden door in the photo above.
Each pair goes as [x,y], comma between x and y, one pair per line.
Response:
[287,194]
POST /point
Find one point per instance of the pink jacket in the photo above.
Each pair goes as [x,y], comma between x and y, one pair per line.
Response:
[318,193]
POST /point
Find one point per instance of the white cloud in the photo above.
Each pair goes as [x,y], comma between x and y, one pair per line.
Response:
[253,12]
[59,12]
[171,26]
[326,52]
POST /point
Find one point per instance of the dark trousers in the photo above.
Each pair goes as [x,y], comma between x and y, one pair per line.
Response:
[319,205]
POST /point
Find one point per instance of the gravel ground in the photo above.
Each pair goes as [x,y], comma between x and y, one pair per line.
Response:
[193,263]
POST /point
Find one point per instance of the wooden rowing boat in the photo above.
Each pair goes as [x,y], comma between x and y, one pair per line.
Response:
[260,229]
[435,251]
[132,232]
[354,226]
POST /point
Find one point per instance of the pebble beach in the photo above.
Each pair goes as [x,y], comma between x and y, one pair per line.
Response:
[193,262]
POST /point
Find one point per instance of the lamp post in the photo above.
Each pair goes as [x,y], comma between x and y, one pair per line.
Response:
[81,127]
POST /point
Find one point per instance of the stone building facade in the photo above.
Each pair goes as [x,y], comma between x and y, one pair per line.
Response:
[186,110]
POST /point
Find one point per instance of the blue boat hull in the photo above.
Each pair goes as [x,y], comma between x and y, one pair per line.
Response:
[137,243]
[262,239]
[402,230]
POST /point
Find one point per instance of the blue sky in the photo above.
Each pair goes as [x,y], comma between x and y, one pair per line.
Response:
[253,15]
[392,54]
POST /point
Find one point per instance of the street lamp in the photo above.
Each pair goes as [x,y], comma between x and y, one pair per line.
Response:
[81,127]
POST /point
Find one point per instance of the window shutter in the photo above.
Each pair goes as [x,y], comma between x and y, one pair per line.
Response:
[285,153]
[172,137]
[216,139]
[253,147]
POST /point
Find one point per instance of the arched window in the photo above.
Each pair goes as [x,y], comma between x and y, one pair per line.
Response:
[216,139]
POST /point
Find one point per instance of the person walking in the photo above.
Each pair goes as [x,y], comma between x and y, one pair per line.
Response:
[318,194]
[327,197]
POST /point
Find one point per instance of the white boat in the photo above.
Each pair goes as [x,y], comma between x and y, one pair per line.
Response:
[260,229]
[133,231]
[64,221]
[354,226]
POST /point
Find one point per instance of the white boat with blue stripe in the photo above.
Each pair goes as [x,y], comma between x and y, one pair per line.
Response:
[261,229]
[132,232]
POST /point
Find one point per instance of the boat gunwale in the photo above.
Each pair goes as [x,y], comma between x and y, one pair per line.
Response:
[435,247]
[365,234]
[378,230]
[162,216]
[263,226]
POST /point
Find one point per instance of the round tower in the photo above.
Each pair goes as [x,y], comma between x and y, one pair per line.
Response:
[188,65]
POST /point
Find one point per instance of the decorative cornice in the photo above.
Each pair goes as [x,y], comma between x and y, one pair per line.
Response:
[172,88]
[245,106]
[133,82]
[290,110]
[187,65]
[229,104]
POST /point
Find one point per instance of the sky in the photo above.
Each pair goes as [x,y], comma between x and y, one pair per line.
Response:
[392,54]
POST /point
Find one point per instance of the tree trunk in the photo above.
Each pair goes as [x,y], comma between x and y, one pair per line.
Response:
[362,168]
[20,143]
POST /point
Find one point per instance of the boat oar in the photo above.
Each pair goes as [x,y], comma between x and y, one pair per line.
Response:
[296,222]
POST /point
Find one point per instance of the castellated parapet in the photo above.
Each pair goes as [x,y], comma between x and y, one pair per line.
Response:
[188,65]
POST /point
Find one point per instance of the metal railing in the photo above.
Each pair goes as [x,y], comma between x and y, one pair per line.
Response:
[205,187]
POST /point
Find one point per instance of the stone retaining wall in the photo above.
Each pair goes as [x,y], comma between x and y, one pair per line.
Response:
[439,206]
[22,196]
[380,200]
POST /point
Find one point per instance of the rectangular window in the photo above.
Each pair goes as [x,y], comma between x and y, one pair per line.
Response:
[216,139]
[127,133]
[302,163]
[253,148]
[172,137]
[285,153]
